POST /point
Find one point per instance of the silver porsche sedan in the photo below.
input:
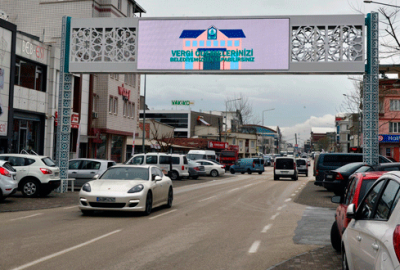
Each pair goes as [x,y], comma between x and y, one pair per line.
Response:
[127,188]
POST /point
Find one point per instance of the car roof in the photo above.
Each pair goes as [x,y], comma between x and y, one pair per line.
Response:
[131,165]
[369,175]
[23,155]
[384,165]
[92,159]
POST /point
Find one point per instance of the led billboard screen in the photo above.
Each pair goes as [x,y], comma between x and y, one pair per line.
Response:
[219,44]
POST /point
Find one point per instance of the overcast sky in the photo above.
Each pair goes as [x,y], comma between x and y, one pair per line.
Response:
[300,101]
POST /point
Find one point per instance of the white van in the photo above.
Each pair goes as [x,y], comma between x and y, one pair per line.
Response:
[201,154]
[180,167]
[285,167]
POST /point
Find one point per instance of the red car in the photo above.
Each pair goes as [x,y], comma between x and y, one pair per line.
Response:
[358,186]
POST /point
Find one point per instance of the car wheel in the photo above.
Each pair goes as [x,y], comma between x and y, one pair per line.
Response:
[87,212]
[174,175]
[306,174]
[345,265]
[335,237]
[248,171]
[214,173]
[295,177]
[195,177]
[232,171]
[259,172]
[1,196]
[170,197]
[149,204]
[276,177]
[242,172]
[44,193]
[30,188]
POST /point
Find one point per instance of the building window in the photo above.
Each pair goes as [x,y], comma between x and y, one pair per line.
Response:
[133,110]
[110,104]
[395,105]
[240,145]
[253,145]
[112,76]
[394,127]
[115,105]
[119,4]
[124,108]
[29,75]
[95,103]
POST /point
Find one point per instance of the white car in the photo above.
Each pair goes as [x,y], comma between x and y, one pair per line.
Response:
[372,238]
[285,167]
[8,182]
[36,175]
[212,168]
[127,188]
[84,169]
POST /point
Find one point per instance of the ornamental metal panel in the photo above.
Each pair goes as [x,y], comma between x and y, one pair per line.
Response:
[319,44]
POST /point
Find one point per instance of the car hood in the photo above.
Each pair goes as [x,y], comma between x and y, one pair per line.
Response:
[115,185]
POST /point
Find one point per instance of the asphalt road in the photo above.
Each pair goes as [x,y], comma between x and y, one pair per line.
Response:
[232,222]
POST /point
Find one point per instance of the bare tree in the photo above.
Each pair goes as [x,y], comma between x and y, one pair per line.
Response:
[163,140]
[241,104]
[389,40]
[352,102]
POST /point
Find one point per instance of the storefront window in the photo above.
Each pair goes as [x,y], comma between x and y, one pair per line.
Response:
[116,148]
[101,147]
[29,75]
[26,135]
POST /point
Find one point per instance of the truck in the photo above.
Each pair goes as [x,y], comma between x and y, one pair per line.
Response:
[229,156]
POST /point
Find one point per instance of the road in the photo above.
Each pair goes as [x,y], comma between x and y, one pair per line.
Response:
[234,222]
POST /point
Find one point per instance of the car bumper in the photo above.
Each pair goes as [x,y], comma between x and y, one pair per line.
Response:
[129,202]
[305,171]
[202,173]
[52,184]
[10,187]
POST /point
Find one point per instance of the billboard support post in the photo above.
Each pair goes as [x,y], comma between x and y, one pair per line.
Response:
[371,92]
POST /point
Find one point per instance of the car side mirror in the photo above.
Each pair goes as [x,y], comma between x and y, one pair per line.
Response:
[158,178]
[336,199]
[351,211]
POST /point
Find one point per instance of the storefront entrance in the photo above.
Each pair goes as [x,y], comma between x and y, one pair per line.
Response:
[27,133]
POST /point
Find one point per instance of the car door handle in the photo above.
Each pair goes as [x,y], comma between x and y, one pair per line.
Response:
[375,246]
[93,172]
[359,238]
[73,172]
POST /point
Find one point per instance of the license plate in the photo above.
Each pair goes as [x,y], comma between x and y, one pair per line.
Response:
[329,176]
[105,199]
[284,172]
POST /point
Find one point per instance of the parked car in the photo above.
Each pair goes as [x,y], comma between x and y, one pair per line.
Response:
[285,167]
[84,169]
[8,181]
[212,168]
[196,169]
[380,167]
[127,188]
[331,161]
[302,166]
[201,154]
[267,160]
[164,161]
[36,175]
[248,165]
[337,180]
[358,186]
[372,238]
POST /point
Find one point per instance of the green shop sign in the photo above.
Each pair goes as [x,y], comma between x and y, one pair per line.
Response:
[182,102]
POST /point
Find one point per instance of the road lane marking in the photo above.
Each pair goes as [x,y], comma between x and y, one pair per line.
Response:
[296,191]
[26,217]
[274,216]
[64,251]
[288,200]
[248,185]
[70,207]
[207,199]
[233,190]
[293,194]
[163,214]
[254,247]
[266,228]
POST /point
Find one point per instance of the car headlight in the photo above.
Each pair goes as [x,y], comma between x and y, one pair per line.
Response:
[86,187]
[136,188]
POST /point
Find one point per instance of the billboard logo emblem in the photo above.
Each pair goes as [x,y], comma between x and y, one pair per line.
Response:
[212,33]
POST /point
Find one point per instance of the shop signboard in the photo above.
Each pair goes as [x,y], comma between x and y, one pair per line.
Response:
[387,138]
[182,102]
[217,145]
[5,67]
[31,49]
[74,119]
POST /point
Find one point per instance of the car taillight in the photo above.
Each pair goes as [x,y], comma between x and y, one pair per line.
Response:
[274,165]
[45,171]
[294,165]
[196,169]
[339,176]
[396,241]
[183,168]
[254,164]
[4,172]
[223,166]
[316,172]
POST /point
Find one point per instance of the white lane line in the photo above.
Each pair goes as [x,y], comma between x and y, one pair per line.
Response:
[293,194]
[248,185]
[63,251]
[233,190]
[254,247]
[163,214]
[266,228]
[26,217]
[279,208]
[207,199]
[283,206]
[288,200]
[274,216]
[296,191]
[70,207]
[299,188]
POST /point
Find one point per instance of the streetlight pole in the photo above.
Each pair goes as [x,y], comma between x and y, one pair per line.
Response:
[226,115]
[263,114]
[379,3]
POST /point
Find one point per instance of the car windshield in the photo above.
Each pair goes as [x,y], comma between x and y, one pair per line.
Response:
[48,161]
[349,167]
[300,162]
[196,156]
[284,163]
[228,154]
[126,173]
[365,185]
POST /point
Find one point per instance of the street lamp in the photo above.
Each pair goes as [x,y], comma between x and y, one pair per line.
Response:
[226,115]
[374,2]
[263,114]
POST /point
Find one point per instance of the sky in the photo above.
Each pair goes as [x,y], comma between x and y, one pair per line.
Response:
[299,102]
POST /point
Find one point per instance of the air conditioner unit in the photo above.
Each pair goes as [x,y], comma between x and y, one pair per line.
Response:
[95,115]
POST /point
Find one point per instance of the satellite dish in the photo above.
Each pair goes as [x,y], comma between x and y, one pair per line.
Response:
[3,15]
